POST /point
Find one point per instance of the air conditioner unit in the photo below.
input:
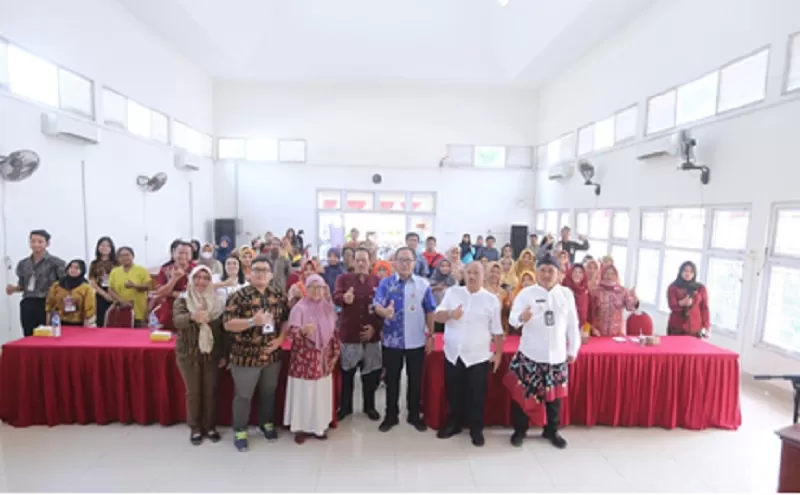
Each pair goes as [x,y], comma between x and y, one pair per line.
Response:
[63,126]
[657,148]
[185,161]
[561,171]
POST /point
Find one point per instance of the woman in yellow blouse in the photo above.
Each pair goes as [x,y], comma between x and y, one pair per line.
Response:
[72,297]
[128,284]
[494,274]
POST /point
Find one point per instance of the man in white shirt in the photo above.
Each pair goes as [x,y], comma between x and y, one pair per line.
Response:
[471,317]
[550,341]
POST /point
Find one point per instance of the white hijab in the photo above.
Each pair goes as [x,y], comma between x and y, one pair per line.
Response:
[203,301]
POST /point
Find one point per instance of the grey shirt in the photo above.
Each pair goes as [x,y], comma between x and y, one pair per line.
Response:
[35,279]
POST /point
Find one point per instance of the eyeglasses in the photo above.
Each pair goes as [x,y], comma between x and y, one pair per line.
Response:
[261,270]
[404,260]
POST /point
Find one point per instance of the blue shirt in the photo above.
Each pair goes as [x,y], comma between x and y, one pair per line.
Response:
[421,266]
[413,300]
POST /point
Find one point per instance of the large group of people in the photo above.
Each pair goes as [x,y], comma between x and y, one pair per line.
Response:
[235,307]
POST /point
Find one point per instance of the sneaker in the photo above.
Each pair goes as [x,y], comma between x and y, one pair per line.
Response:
[269,431]
[213,435]
[240,440]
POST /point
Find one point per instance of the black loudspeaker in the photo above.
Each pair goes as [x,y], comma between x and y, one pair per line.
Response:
[225,227]
[519,238]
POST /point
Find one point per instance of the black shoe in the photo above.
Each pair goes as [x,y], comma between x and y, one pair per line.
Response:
[417,423]
[343,413]
[372,414]
[387,424]
[477,438]
[213,435]
[517,438]
[196,438]
[449,430]
[556,439]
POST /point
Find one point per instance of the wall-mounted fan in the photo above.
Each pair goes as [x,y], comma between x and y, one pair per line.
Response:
[587,171]
[151,184]
[19,165]
[684,145]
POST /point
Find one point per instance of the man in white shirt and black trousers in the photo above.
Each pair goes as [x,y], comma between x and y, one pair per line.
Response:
[471,317]
[550,340]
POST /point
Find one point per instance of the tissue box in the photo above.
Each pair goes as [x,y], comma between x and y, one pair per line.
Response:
[160,336]
[649,340]
[43,331]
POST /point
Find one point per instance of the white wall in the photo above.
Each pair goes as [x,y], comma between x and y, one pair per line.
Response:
[751,153]
[100,40]
[354,131]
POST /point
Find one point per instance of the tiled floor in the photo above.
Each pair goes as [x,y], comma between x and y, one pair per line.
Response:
[358,458]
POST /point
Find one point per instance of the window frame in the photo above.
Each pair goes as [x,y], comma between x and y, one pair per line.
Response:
[674,92]
[768,50]
[787,66]
[716,72]
[5,86]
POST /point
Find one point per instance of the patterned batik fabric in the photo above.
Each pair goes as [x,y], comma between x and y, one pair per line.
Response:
[531,383]
[369,353]
[249,348]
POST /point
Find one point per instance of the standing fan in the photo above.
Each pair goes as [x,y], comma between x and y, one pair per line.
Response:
[19,165]
[151,184]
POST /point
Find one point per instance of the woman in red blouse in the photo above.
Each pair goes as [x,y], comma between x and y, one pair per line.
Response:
[688,303]
[172,280]
[315,351]
[576,281]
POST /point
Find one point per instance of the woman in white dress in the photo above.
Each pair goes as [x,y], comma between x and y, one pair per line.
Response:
[232,279]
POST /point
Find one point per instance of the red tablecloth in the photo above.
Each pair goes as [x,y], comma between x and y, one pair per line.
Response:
[684,382]
[103,376]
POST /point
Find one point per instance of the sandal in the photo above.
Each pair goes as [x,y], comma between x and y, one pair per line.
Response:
[324,436]
[213,435]
[300,438]
[196,438]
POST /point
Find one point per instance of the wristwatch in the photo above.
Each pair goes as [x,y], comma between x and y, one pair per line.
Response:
[251,322]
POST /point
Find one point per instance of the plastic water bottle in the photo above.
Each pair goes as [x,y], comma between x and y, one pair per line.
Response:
[55,324]
[152,322]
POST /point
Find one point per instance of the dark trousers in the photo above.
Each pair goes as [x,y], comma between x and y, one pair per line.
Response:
[466,393]
[369,383]
[200,379]
[520,420]
[32,314]
[102,306]
[393,363]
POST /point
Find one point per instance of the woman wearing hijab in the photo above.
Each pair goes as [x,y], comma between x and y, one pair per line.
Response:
[246,255]
[382,269]
[525,263]
[467,250]
[563,258]
[105,260]
[224,249]
[72,297]
[494,274]
[688,304]
[207,260]
[315,349]
[509,280]
[575,280]
[456,266]
[607,302]
[592,269]
[441,280]
[201,351]
[334,268]
[298,290]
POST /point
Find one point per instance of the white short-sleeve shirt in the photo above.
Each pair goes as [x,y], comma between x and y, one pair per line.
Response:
[470,337]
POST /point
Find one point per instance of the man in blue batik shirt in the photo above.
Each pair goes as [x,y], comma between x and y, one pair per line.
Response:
[406,303]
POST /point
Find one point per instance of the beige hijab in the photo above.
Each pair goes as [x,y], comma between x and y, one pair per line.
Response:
[203,301]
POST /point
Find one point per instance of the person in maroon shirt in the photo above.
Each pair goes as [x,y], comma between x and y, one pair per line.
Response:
[360,330]
[688,304]
[172,280]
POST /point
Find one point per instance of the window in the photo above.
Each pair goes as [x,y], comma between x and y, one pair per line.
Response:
[115,109]
[647,275]
[563,220]
[685,227]
[541,222]
[552,222]
[392,201]
[292,150]
[262,150]
[3,63]
[787,233]
[725,276]
[230,149]
[653,226]
[560,150]
[553,152]
[620,254]
[793,75]
[359,201]
[729,230]
[32,77]
[519,156]
[625,124]
[599,232]
[782,315]
[138,119]
[460,155]
[660,112]
[697,99]
[604,133]
[188,139]
[423,202]
[672,261]
[582,223]
[586,140]
[490,156]
[743,82]
[76,93]
[620,225]
[159,127]
[329,200]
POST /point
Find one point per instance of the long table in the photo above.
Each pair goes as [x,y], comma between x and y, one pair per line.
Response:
[102,375]
[684,382]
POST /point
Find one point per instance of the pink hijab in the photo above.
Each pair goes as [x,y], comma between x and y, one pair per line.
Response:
[320,313]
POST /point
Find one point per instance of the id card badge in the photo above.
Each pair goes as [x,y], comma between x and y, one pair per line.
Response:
[69,305]
[32,283]
[268,326]
[549,318]
[104,281]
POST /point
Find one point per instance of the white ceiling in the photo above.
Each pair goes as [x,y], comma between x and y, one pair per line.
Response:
[453,41]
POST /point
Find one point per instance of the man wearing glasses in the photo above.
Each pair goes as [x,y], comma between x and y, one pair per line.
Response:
[406,303]
[255,315]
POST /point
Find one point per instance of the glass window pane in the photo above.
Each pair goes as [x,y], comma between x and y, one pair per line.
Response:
[625,124]
[620,255]
[653,226]
[647,275]
[422,202]
[793,79]
[604,133]
[661,112]
[673,259]
[75,93]
[552,222]
[567,146]
[697,99]
[541,221]
[730,229]
[359,201]
[159,127]
[490,156]
[582,223]
[3,64]
[228,148]
[724,283]
[743,82]
[685,227]
[329,200]
[32,77]
[292,150]
[621,225]
[331,233]
[563,220]
[787,233]
[586,140]
[265,150]
[599,224]
[553,152]
[392,201]
[422,225]
[598,249]
[519,156]
[782,322]
[138,119]
[115,109]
